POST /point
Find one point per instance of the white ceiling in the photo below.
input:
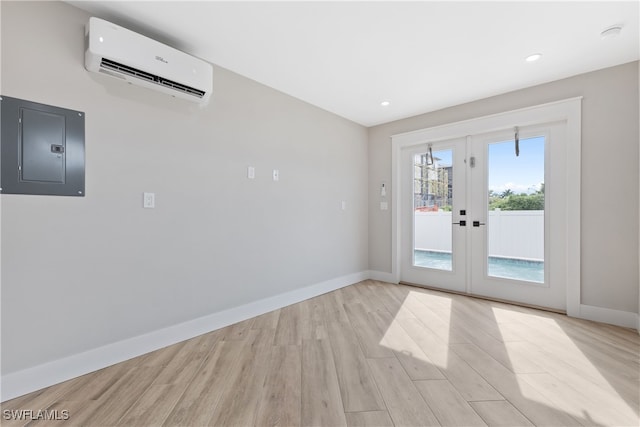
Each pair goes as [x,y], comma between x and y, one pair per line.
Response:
[347,57]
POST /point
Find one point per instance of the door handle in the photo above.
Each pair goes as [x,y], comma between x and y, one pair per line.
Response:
[478,223]
[462,223]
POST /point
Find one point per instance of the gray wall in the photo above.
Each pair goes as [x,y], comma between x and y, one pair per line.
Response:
[609,176]
[78,273]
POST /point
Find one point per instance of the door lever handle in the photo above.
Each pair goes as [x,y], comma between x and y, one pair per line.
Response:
[462,223]
[478,223]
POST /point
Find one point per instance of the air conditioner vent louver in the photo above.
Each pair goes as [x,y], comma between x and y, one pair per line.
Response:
[126,69]
[120,53]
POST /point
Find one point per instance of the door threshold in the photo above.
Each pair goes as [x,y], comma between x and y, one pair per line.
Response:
[520,304]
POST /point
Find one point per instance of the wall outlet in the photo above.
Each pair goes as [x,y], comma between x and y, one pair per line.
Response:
[149,200]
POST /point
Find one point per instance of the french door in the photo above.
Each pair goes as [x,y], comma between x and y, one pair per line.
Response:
[433,227]
[485,214]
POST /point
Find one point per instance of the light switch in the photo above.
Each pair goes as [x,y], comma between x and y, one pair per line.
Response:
[276,175]
[251,172]
[344,205]
[149,200]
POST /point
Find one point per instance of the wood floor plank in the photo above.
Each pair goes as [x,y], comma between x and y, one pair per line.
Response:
[401,292]
[187,360]
[500,413]
[351,295]
[333,303]
[415,362]
[289,330]
[371,299]
[96,384]
[623,336]
[369,419]
[369,335]
[154,406]
[449,407]
[462,376]
[510,354]
[536,407]
[117,400]
[239,403]
[597,370]
[549,334]
[621,343]
[74,409]
[623,390]
[419,307]
[160,357]
[404,403]
[391,301]
[593,405]
[201,397]
[266,321]
[366,355]
[281,400]
[358,389]
[84,388]
[476,314]
[395,301]
[519,358]
[312,319]
[321,399]
[237,331]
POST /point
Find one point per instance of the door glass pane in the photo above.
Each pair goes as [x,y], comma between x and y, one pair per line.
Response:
[515,221]
[432,202]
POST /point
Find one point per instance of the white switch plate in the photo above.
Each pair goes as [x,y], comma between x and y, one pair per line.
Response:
[149,200]
[344,205]
[384,206]
[276,175]
[251,172]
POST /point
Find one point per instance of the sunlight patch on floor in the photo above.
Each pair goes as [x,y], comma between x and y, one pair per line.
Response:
[591,395]
[407,335]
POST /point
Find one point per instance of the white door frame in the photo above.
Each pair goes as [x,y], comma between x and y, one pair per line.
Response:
[568,110]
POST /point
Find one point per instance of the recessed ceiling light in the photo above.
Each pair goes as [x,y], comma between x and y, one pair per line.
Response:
[385,103]
[611,32]
[534,57]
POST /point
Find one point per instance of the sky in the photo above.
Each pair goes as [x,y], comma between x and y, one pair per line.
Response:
[522,174]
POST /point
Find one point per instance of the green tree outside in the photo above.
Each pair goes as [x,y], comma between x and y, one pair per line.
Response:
[508,201]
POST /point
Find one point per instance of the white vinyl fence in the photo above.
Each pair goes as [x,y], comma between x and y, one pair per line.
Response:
[512,234]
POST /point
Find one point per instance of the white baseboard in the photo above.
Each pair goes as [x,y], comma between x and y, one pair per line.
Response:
[606,315]
[381,276]
[28,380]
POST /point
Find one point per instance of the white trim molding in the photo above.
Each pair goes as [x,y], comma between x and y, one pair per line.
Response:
[626,319]
[382,276]
[28,380]
[568,111]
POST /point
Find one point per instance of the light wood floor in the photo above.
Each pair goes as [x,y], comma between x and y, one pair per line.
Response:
[370,354]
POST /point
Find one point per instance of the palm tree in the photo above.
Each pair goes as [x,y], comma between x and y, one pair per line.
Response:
[506,193]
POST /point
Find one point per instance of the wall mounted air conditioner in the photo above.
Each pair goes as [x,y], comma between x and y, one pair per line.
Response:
[139,60]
